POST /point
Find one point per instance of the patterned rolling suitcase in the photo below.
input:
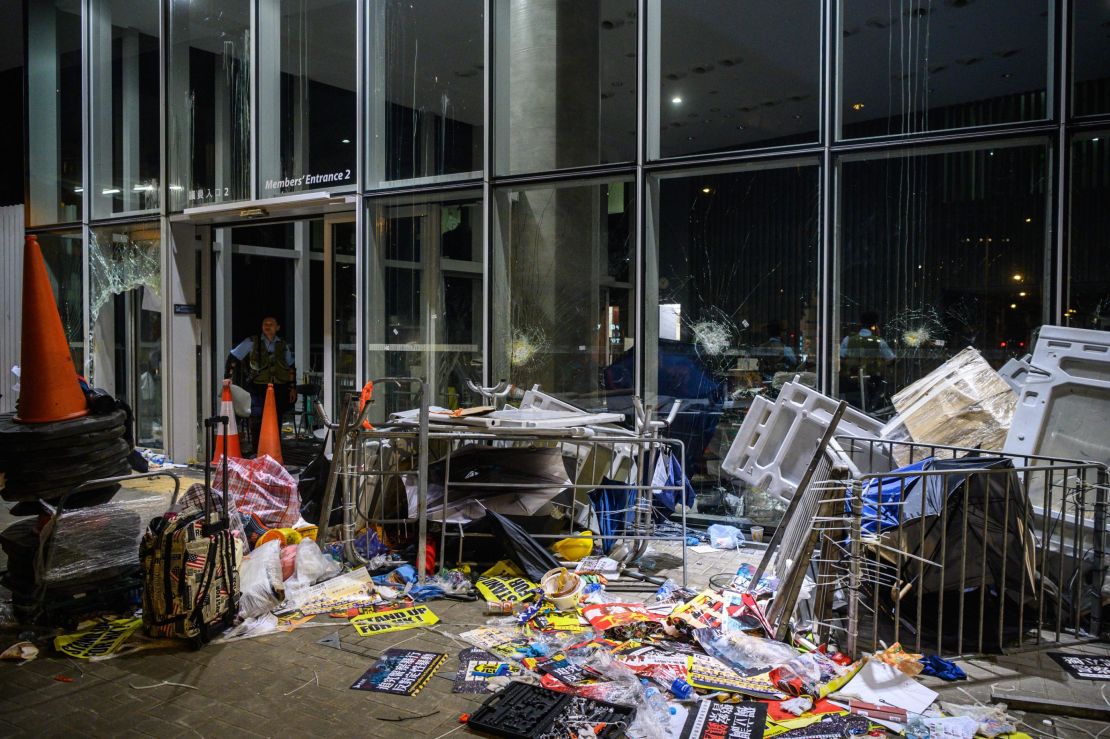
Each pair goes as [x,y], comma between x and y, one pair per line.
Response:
[190,561]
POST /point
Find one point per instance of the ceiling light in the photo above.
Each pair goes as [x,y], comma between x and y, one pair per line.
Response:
[79,189]
[707,190]
[1017,277]
[1013,305]
[176,188]
[1021,294]
[110,191]
[857,106]
[676,100]
[345,141]
[1028,220]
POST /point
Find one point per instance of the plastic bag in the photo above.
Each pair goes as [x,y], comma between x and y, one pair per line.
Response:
[725,537]
[288,561]
[263,488]
[312,565]
[741,651]
[260,581]
[993,719]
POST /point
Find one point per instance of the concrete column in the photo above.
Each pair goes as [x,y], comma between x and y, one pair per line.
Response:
[101,108]
[553,68]
[268,31]
[42,112]
[129,120]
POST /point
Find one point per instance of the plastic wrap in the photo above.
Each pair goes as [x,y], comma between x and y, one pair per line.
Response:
[964,402]
[260,581]
[99,540]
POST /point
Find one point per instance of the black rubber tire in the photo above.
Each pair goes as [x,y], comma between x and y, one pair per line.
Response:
[50,489]
[12,432]
[53,464]
[84,499]
[11,450]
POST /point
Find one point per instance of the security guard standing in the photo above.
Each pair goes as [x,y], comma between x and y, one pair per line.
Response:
[268,360]
[864,357]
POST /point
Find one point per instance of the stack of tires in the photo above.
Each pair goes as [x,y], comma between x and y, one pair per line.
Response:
[42,463]
[45,461]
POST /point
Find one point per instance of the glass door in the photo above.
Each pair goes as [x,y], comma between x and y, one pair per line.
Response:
[340,319]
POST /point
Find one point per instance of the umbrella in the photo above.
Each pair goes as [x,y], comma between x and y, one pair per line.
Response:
[613,507]
[525,551]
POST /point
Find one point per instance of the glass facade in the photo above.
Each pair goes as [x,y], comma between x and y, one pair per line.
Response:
[124,106]
[729,79]
[686,200]
[565,83]
[424,292]
[733,295]
[1091,58]
[563,291]
[307,95]
[208,102]
[1088,270]
[55,157]
[937,252]
[425,113]
[908,68]
[125,315]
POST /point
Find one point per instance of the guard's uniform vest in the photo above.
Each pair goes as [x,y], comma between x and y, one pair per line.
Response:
[268,367]
[862,355]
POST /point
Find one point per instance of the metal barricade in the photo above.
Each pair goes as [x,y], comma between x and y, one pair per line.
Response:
[365,459]
[969,551]
[379,472]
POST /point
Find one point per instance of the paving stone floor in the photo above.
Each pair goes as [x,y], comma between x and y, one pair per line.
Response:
[288,684]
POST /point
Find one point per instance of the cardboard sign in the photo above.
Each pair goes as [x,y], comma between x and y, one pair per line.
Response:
[100,640]
[400,672]
[337,594]
[1083,666]
[708,673]
[476,668]
[498,642]
[744,720]
[605,616]
[515,589]
[402,618]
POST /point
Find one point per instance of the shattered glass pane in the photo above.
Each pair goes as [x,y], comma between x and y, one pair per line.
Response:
[563,316]
[731,311]
[936,253]
[119,262]
[125,290]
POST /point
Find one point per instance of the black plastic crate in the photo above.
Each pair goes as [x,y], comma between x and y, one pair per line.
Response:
[523,711]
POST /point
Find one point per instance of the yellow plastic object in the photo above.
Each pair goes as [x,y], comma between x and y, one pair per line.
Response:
[287,537]
[503,568]
[308,532]
[574,550]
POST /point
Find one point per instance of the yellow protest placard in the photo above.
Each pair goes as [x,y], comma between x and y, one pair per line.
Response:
[514,589]
[398,620]
[100,640]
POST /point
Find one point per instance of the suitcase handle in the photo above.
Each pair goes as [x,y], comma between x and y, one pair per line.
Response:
[210,425]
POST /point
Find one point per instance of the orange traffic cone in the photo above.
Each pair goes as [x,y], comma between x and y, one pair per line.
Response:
[269,437]
[48,381]
[227,408]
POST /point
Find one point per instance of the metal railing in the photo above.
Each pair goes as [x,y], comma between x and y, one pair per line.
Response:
[969,552]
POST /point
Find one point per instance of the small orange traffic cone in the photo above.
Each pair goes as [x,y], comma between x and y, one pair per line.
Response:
[47,380]
[227,408]
[269,437]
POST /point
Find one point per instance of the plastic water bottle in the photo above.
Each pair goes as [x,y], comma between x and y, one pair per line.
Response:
[658,711]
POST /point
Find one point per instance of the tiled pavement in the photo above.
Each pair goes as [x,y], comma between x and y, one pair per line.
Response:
[268,686]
